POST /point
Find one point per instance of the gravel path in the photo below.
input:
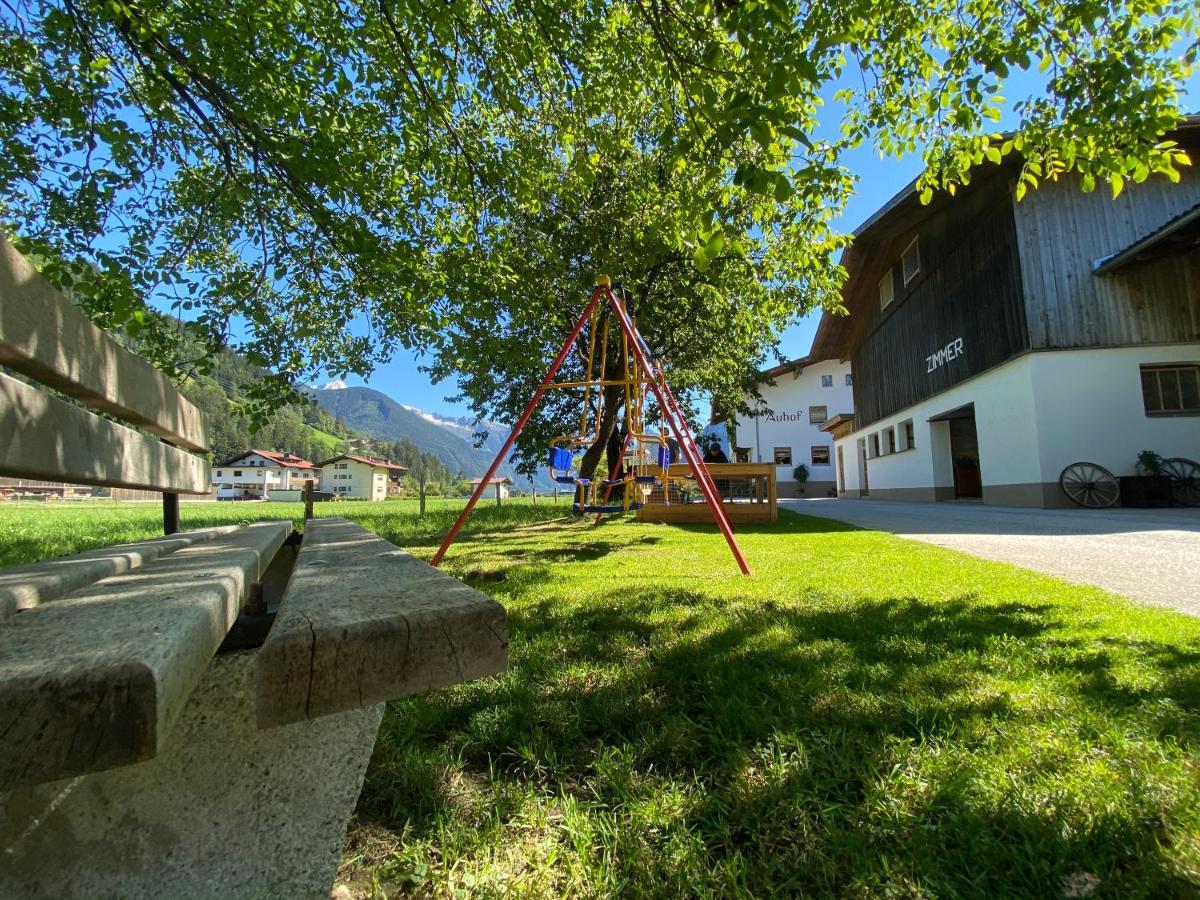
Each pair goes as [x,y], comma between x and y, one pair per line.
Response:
[1152,555]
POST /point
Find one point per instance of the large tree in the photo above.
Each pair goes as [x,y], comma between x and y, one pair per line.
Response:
[326,181]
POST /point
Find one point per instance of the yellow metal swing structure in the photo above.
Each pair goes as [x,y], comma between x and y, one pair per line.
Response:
[645,459]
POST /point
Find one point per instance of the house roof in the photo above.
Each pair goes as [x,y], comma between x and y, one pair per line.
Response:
[835,422]
[1177,235]
[284,460]
[899,216]
[492,480]
[372,461]
[784,368]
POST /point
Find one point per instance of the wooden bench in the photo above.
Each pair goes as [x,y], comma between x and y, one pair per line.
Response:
[117,702]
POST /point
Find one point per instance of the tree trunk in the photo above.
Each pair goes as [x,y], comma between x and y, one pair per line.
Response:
[613,401]
[421,489]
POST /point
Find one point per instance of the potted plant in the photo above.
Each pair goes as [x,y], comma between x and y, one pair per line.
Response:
[1149,487]
[800,473]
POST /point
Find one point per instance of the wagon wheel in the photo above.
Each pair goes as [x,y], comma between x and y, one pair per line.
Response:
[1089,485]
[1185,480]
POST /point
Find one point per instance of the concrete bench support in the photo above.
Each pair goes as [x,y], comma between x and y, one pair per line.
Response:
[364,621]
[97,679]
[226,810]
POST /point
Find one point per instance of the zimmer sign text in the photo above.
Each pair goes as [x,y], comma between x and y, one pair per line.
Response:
[952,350]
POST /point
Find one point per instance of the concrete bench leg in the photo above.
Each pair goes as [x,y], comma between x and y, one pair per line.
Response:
[227,810]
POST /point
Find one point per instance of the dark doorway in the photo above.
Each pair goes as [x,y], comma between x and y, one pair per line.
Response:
[964,451]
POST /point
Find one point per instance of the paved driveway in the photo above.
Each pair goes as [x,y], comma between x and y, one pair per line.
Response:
[1148,554]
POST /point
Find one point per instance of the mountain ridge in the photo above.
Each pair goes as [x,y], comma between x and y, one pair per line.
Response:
[379,416]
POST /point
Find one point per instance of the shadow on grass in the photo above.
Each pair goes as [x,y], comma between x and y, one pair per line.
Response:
[863,746]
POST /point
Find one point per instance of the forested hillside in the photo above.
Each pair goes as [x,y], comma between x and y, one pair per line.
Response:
[309,431]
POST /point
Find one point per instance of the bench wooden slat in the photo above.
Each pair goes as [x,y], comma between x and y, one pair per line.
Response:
[48,438]
[23,587]
[96,680]
[45,336]
[363,621]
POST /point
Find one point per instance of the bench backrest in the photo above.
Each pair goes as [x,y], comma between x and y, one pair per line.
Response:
[46,338]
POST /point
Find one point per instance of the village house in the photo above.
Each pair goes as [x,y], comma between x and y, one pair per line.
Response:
[365,477]
[995,342]
[258,472]
[503,486]
[797,399]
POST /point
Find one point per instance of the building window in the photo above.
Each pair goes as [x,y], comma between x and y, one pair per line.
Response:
[911,261]
[826,381]
[820,456]
[783,456]
[906,434]
[1170,390]
[889,435]
[237,473]
[342,466]
[873,445]
[887,290]
[817,414]
[849,380]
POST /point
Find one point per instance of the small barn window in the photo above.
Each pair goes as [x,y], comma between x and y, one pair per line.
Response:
[887,290]
[1171,390]
[849,380]
[873,445]
[911,261]
[820,456]
[906,435]
[826,381]
[817,414]
[783,456]
[890,437]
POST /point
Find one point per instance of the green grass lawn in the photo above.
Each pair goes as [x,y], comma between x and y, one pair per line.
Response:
[864,716]
[36,530]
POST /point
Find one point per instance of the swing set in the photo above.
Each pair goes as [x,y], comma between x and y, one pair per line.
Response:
[644,462]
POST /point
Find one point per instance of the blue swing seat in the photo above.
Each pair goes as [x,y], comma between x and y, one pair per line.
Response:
[560,458]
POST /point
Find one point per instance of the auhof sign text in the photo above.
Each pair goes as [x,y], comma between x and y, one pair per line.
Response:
[952,350]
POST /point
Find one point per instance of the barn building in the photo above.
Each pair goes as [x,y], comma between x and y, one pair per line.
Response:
[994,342]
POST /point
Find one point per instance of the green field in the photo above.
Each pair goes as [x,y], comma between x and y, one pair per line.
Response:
[31,531]
[865,716]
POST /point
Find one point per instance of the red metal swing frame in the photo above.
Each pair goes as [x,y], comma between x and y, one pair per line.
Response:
[667,404]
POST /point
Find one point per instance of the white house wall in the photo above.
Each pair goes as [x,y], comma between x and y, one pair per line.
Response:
[355,480]
[1103,420]
[787,424]
[1033,416]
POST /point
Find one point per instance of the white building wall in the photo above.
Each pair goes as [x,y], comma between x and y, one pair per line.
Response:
[1104,421]
[786,424]
[357,479]
[1034,415]
[1004,421]
[259,473]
